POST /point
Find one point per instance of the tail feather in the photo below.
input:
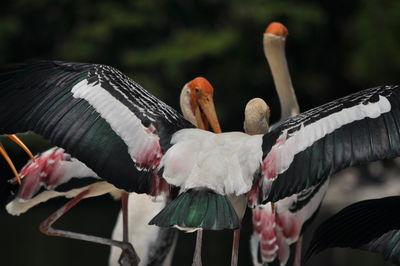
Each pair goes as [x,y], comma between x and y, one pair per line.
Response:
[209,220]
[372,225]
[198,209]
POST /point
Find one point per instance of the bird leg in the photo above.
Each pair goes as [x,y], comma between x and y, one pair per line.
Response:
[235,247]
[197,251]
[297,254]
[124,209]
[130,257]
[125,256]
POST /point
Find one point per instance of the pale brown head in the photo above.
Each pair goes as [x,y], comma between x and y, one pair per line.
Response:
[256,117]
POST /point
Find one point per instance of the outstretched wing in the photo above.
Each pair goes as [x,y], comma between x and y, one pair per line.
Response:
[95,112]
[306,149]
[372,225]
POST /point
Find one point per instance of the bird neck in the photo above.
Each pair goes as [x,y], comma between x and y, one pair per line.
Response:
[186,108]
[274,49]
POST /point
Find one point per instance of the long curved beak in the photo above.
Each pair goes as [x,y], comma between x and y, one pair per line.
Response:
[206,104]
[14,138]
[4,153]
[10,163]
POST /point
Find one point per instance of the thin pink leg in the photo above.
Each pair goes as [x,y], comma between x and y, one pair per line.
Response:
[130,257]
[235,247]
[197,251]
[126,257]
[297,255]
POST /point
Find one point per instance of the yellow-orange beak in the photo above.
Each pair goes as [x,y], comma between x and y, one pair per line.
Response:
[10,163]
[4,153]
[202,103]
[14,138]
[205,112]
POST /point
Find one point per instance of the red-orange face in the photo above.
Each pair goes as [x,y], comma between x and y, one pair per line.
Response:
[202,104]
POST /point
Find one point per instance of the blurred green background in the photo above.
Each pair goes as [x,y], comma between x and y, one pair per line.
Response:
[334,48]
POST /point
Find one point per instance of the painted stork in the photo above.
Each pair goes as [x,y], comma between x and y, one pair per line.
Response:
[132,139]
[62,175]
[278,225]
[155,245]
[157,239]
[5,155]
[371,225]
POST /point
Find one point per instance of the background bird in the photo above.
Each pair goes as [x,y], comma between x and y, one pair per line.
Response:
[280,224]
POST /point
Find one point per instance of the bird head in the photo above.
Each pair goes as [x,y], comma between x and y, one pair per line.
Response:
[201,103]
[275,36]
[277,29]
[256,117]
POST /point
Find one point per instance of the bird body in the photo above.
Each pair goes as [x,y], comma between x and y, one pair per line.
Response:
[221,162]
[157,245]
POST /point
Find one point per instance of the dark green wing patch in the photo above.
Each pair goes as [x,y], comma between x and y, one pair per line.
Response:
[199,209]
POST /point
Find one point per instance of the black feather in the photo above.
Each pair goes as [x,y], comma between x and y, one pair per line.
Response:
[372,225]
[359,142]
[37,97]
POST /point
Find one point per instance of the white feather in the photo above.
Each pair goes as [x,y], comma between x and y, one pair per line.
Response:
[282,153]
[222,162]
[18,206]
[122,120]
